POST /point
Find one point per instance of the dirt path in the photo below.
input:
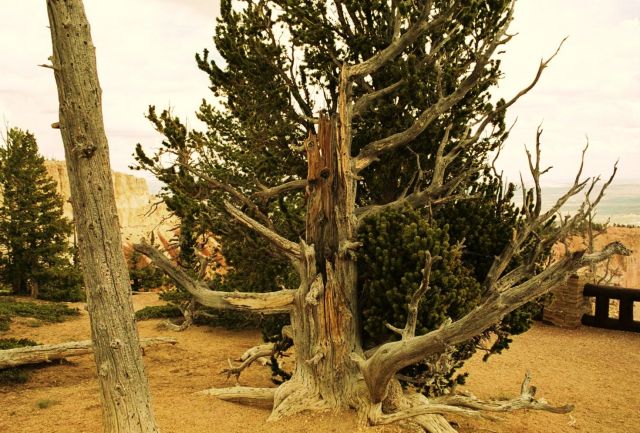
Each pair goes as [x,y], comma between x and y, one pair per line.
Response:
[595,369]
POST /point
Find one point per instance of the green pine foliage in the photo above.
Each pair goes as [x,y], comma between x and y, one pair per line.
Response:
[158,312]
[390,266]
[44,311]
[146,276]
[34,234]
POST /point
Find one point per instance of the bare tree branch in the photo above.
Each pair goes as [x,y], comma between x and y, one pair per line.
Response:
[290,249]
[248,358]
[274,191]
[268,303]
[362,103]
[242,394]
[416,200]
[397,45]
[526,400]
[221,186]
[409,329]
[371,151]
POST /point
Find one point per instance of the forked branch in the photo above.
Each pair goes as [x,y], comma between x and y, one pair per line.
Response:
[248,358]
[409,329]
[526,400]
[275,191]
[397,45]
[371,152]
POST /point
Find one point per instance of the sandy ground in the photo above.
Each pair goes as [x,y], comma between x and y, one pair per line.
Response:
[595,369]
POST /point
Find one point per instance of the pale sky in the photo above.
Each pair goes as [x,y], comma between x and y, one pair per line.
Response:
[146,48]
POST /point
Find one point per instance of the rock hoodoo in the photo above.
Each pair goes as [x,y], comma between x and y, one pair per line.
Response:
[133,200]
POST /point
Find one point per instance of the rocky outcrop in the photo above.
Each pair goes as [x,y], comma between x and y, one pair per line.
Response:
[627,268]
[137,209]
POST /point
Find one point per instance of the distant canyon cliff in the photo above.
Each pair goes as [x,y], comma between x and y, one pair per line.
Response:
[133,200]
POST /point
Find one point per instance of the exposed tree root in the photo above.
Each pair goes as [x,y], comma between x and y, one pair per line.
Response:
[296,396]
[188,310]
[428,412]
[526,400]
[409,409]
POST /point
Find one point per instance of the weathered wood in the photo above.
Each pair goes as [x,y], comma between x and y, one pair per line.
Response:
[324,317]
[267,303]
[124,392]
[242,394]
[51,352]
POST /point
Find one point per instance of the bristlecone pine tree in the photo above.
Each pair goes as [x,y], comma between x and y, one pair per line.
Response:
[328,114]
[34,234]
[124,390]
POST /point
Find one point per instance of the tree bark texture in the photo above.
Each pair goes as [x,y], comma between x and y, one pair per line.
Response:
[124,392]
[52,352]
[324,317]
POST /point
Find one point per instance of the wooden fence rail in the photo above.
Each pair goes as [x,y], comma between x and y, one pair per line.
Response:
[601,319]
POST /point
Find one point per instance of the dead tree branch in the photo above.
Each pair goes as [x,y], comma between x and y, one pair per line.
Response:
[274,191]
[397,45]
[290,249]
[409,329]
[248,358]
[242,394]
[267,303]
[52,352]
[371,151]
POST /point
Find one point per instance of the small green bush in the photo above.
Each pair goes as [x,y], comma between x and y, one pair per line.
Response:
[158,312]
[5,322]
[46,312]
[14,343]
[390,264]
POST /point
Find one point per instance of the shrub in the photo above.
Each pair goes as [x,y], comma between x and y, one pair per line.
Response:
[46,312]
[45,403]
[158,312]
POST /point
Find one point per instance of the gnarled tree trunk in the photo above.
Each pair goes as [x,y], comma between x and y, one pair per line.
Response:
[124,392]
[324,316]
[331,370]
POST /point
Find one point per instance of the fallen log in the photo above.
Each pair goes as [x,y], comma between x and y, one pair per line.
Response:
[51,352]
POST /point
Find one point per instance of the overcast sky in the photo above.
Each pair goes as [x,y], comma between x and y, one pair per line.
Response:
[146,50]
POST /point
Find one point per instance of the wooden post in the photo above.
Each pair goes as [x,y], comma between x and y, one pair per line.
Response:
[602,307]
[124,391]
[625,313]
